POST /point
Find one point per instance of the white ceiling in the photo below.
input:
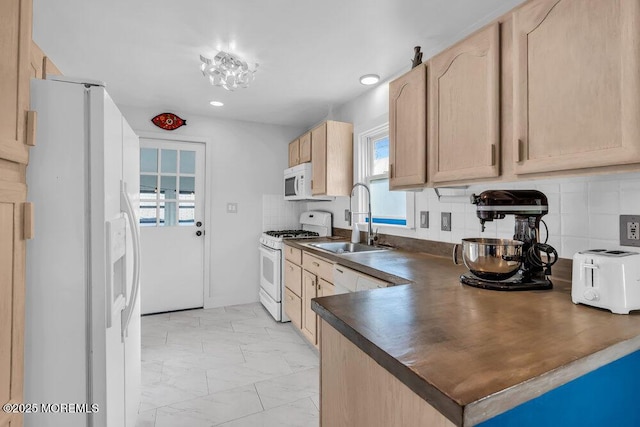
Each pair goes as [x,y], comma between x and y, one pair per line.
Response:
[311,52]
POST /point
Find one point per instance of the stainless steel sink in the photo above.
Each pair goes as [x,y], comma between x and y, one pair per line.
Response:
[346,247]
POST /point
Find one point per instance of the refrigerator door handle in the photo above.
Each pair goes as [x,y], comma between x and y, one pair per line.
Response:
[125,201]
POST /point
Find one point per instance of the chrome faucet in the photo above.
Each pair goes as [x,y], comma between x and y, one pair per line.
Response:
[369,225]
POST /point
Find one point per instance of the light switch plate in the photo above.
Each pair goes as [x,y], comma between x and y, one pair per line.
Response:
[232,208]
[445,221]
[424,219]
[630,230]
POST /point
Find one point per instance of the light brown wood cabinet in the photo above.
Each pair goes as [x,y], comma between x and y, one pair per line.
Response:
[332,154]
[300,150]
[17,128]
[305,148]
[41,64]
[464,108]
[408,129]
[294,153]
[305,277]
[577,80]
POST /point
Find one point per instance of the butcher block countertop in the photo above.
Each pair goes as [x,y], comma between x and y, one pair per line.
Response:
[471,353]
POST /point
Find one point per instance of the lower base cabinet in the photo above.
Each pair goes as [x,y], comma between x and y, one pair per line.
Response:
[355,391]
[293,307]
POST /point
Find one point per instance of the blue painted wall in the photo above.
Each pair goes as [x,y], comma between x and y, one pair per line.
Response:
[606,397]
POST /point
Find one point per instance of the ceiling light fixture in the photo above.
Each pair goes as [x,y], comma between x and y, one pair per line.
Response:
[227,70]
[217,103]
[369,79]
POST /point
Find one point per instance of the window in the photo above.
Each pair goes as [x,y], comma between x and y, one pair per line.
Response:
[388,207]
[167,187]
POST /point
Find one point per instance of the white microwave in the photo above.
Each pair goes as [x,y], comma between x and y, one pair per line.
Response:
[297,183]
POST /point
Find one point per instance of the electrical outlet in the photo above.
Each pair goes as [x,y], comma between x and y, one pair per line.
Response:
[232,208]
[445,221]
[424,219]
[347,215]
[629,230]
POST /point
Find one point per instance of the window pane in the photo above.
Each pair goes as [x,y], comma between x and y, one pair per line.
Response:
[168,187]
[147,214]
[187,213]
[148,186]
[385,203]
[148,160]
[169,161]
[187,188]
[380,156]
[187,161]
[168,214]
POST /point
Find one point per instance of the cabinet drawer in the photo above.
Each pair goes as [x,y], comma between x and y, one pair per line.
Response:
[293,307]
[293,277]
[292,254]
[317,266]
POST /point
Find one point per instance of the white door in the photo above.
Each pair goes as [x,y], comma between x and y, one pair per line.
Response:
[172,199]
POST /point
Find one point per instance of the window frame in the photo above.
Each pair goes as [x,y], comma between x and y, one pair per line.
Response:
[364,158]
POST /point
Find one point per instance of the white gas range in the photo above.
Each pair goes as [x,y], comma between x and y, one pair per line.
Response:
[313,224]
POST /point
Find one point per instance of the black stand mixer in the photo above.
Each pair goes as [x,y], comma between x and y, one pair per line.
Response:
[509,265]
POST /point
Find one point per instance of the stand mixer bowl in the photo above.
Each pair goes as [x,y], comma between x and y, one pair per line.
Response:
[491,259]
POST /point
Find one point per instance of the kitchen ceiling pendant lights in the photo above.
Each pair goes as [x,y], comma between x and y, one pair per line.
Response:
[369,79]
[227,70]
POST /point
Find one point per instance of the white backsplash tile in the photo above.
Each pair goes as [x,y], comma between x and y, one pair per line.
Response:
[280,214]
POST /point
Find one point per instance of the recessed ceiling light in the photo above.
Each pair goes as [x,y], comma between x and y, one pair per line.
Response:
[217,103]
[369,79]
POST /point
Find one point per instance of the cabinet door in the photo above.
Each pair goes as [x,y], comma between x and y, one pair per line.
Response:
[319,163]
[293,277]
[464,108]
[12,294]
[408,129]
[305,148]
[293,307]
[15,70]
[309,283]
[294,153]
[325,288]
[577,80]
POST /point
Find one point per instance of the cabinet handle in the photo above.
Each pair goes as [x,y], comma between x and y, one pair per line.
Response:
[520,151]
[339,271]
[319,287]
[312,184]
[493,154]
[32,119]
[316,264]
[390,170]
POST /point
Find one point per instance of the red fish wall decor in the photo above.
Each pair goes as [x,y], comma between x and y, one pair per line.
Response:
[168,121]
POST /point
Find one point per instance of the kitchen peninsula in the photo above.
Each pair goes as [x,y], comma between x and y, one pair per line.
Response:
[439,353]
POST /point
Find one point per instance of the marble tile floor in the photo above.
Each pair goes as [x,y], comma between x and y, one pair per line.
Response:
[230,366]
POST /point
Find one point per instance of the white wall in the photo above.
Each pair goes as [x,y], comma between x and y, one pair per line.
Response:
[583,212]
[245,160]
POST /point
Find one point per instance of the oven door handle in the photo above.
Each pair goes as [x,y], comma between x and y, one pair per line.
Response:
[268,252]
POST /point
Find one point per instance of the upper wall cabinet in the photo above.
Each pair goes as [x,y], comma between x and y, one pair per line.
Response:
[305,148]
[15,35]
[577,84]
[294,153]
[464,108]
[408,129]
[332,154]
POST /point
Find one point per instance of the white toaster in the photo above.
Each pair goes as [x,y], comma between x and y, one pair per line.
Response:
[607,279]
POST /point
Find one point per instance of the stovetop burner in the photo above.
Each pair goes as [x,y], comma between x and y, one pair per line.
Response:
[291,234]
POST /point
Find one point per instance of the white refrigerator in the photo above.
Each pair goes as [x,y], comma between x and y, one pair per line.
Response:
[82,325]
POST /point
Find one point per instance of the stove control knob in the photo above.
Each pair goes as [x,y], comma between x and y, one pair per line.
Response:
[591,295]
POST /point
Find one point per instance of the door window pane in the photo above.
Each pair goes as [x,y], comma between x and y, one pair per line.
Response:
[168,187]
[148,214]
[187,161]
[187,188]
[148,186]
[169,161]
[148,160]
[186,214]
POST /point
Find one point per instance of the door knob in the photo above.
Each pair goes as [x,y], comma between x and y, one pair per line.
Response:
[199,224]
[198,233]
